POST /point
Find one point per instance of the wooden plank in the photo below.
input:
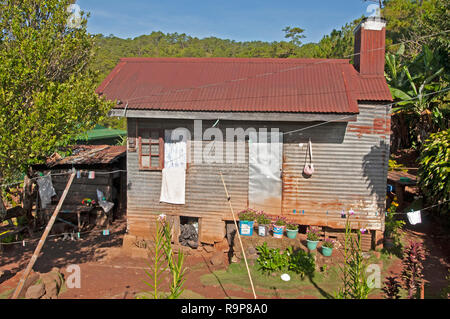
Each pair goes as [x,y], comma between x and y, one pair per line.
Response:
[42,241]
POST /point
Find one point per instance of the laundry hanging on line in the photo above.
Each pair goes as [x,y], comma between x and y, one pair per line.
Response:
[414,217]
[173,185]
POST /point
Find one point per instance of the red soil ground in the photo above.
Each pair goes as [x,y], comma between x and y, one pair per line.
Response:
[108,274]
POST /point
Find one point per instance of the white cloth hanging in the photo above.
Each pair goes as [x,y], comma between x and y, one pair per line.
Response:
[173,185]
[46,190]
[414,217]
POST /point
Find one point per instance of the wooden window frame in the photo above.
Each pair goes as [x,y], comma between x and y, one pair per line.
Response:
[150,143]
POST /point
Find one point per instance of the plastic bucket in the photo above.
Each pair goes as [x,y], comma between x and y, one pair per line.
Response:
[278,231]
[326,251]
[292,234]
[246,228]
[312,245]
[263,230]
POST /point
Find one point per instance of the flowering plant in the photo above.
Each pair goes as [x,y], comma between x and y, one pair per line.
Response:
[329,243]
[312,233]
[262,218]
[280,221]
[247,215]
[292,226]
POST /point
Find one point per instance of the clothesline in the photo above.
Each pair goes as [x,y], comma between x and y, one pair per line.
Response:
[24,242]
[422,209]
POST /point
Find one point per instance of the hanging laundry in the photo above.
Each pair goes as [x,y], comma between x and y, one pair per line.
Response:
[173,185]
[46,190]
[414,217]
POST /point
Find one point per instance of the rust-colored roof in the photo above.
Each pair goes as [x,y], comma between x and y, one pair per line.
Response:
[88,155]
[241,85]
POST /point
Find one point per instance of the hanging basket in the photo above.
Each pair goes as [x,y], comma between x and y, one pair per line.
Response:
[309,167]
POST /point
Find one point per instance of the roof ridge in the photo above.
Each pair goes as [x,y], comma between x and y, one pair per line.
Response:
[231,60]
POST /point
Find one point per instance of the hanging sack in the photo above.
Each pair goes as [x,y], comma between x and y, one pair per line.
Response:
[309,168]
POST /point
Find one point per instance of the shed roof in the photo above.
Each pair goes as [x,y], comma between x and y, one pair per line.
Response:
[88,155]
[101,133]
[242,85]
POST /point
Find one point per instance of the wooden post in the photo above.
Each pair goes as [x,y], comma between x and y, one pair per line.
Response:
[239,235]
[422,291]
[42,241]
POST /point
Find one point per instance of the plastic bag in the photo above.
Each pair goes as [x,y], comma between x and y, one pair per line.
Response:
[107,206]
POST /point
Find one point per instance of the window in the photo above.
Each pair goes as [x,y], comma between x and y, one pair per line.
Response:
[151,149]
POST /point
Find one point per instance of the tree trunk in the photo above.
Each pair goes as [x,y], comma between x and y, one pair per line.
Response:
[28,197]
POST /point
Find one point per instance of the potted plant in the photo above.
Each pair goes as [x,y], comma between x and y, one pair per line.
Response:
[279,226]
[327,247]
[291,230]
[312,237]
[263,223]
[247,222]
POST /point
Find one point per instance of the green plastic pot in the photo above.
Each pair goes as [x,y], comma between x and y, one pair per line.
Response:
[312,245]
[327,251]
[292,233]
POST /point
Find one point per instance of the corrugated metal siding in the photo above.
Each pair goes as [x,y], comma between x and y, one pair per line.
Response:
[205,195]
[350,162]
[350,173]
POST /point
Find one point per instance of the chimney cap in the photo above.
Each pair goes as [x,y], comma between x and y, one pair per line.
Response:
[372,23]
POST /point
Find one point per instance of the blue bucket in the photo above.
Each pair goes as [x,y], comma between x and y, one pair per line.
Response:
[246,228]
[278,231]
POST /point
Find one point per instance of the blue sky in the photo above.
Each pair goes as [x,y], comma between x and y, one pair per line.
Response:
[243,20]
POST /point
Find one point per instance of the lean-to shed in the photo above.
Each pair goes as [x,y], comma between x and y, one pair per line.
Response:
[98,167]
[219,103]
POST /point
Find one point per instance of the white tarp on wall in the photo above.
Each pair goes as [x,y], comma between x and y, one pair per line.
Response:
[265,169]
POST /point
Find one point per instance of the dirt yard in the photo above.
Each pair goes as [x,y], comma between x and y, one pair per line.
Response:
[108,273]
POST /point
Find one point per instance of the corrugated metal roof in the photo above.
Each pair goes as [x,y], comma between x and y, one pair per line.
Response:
[241,85]
[88,155]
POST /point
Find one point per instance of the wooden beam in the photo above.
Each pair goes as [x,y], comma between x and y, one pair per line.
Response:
[237,116]
[42,241]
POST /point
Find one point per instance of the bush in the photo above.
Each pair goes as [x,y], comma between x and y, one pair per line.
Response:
[434,167]
[272,260]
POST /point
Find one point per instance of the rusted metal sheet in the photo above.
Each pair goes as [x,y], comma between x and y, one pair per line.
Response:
[240,85]
[88,155]
[348,175]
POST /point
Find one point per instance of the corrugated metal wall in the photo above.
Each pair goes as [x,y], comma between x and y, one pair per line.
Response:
[350,162]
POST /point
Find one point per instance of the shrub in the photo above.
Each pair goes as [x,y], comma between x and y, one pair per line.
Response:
[434,167]
[391,288]
[272,260]
[302,263]
[412,276]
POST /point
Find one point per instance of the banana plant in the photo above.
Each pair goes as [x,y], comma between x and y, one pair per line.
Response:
[415,86]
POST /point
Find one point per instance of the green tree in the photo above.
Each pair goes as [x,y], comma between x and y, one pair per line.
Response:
[295,34]
[47,94]
[434,170]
